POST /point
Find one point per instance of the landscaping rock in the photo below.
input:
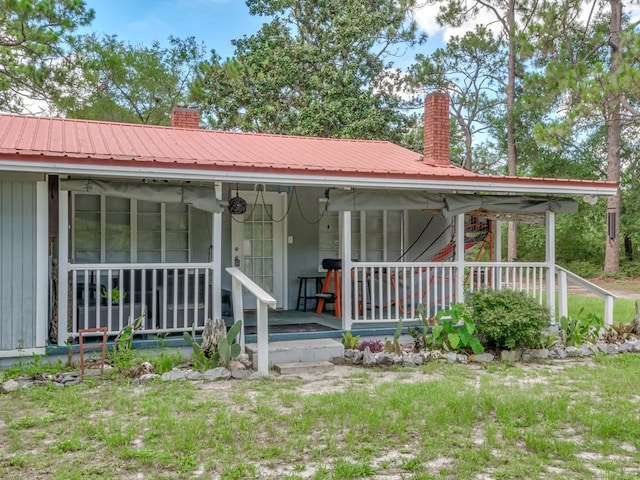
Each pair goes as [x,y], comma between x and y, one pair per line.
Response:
[240,374]
[573,352]
[357,358]
[146,377]
[558,353]
[173,375]
[436,355]
[194,375]
[451,357]
[539,353]
[385,360]
[350,353]
[586,350]
[462,358]
[368,358]
[511,355]
[412,359]
[607,348]
[245,360]
[484,357]
[9,386]
[219,373]
[635,348]
[625,347]
[236,364]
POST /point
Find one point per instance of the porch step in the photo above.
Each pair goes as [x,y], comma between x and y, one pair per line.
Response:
[303,367]
[296,351]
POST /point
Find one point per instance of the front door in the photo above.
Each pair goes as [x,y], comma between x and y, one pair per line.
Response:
[257,243]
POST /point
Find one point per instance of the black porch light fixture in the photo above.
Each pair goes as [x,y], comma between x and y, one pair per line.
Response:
[237,204]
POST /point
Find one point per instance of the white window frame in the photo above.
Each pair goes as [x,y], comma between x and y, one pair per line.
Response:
[133,229]
[333,219]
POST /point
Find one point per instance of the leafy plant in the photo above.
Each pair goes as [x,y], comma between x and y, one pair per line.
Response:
[455,330]
[116,295]
[349,340]
[122,354]
[580,329]
[221,355]
[547,339]
[375,346]
[508,319]
[394,346]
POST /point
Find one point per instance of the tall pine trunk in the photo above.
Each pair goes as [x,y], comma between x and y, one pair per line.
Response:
[612,248]
[512,157]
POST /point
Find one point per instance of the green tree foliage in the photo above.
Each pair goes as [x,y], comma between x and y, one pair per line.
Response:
[132,83]
[35,62]
[318,68]
[471,69]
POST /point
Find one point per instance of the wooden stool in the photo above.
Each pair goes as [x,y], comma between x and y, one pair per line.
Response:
[333,267]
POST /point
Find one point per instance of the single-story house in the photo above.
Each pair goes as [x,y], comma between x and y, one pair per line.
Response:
[101,221]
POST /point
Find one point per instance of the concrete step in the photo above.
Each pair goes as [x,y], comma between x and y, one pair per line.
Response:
[295,351]
[303,367]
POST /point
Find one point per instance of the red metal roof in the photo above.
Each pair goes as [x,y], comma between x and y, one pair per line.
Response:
[101,143]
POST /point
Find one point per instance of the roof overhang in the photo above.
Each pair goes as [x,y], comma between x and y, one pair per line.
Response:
[488,184]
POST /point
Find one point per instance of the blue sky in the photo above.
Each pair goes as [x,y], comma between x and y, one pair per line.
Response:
[214,22]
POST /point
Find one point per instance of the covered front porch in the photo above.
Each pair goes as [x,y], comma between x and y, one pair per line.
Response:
[386,283]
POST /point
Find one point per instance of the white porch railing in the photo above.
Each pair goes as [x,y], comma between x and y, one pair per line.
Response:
[263,302]
[565,275]
[175,297]
[390,292]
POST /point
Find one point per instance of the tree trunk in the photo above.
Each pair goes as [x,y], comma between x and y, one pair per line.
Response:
[612,248]
[512,157]
[628,247]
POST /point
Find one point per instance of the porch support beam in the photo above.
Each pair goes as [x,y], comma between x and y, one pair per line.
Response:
[459,298]
[42,264]
[497,240]
[63,269]
[497,252]
[346,271]
[550,259]
[216,257]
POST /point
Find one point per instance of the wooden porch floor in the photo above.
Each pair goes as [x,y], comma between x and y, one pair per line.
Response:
[294,324]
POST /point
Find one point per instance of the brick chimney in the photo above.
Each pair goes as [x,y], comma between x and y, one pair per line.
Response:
[436,129]
[183,117]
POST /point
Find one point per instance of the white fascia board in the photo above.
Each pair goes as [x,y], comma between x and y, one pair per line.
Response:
[312,179]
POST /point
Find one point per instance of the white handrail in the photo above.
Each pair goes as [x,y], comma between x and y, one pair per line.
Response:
[264,301]
[564,275]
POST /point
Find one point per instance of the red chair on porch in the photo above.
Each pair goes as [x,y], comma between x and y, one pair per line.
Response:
[333,266]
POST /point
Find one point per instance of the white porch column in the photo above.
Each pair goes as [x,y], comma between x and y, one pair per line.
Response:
[42,264]
[550,259]
[497,252]
[63,268]
[216,257]
[345,251]
[459,258]
[497,240]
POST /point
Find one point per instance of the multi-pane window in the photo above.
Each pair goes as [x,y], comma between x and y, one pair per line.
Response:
[119,230]
[376,236]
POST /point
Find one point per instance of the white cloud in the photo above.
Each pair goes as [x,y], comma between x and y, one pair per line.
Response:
[425,17]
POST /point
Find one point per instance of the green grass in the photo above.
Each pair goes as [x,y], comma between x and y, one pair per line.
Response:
[624,309]
[439,421]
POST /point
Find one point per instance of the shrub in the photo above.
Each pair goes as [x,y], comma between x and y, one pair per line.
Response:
[508,319]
